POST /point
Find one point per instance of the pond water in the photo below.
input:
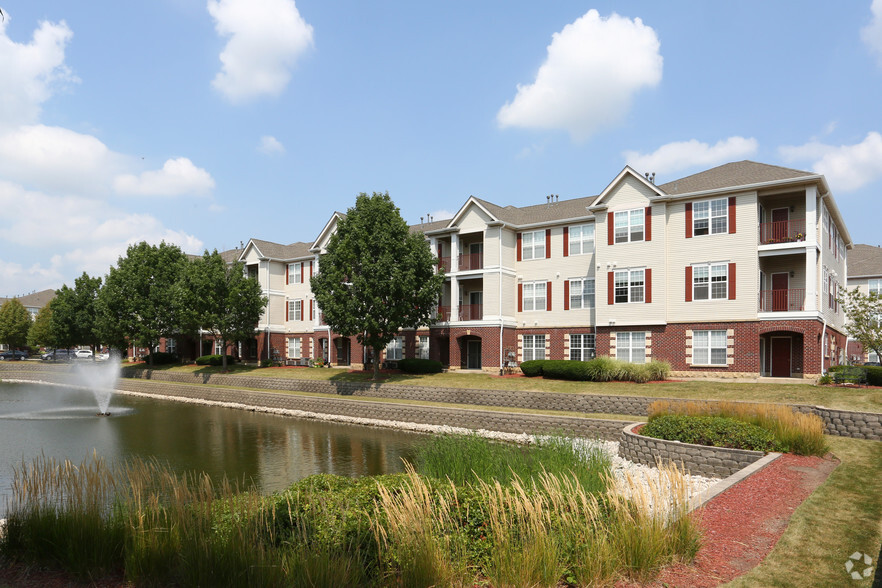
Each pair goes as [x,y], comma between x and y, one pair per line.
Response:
[270,450]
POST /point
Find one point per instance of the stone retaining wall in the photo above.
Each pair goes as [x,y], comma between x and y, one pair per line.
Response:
[860,425]
[712,462]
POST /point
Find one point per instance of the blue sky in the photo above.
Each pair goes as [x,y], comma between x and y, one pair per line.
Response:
[206,123]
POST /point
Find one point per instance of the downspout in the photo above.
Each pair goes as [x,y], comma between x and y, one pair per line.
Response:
[823,342]
[501,323]
[268,305]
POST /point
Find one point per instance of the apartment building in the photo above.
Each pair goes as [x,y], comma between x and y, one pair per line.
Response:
[865,274]
[732,271]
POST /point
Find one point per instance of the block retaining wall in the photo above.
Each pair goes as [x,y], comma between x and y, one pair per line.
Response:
[713,462]
[859,425]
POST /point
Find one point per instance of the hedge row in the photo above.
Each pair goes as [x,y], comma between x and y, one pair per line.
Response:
[415,365]
[162,358]
[874,372]
[214,360]
[600,369]
[710,430]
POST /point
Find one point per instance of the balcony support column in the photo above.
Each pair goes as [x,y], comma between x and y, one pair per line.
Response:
[454,298]
[811,251]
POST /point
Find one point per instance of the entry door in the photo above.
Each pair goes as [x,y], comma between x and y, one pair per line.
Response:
[474,355]
[780,292]
[781,357]
[342,345]
[780,216]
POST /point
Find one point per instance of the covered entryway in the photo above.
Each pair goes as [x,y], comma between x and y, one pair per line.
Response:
[470,352]
[342,349]
[782,357]
[782,354]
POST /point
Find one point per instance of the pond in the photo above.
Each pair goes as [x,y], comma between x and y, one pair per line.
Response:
[270,450]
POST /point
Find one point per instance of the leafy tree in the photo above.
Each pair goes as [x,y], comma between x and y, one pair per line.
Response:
[864,312]
[75,313]
[376,277]
[40,333]
[139,295]
[220,299]
[15,322]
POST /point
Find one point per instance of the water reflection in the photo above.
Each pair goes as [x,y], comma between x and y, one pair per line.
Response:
[270,450]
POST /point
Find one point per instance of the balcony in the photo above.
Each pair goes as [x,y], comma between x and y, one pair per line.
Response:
[444,263]
[790,300]
[471,312]
[443,313]
[471,261]
[788,231]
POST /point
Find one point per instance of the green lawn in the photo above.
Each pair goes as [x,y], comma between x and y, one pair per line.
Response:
[844,398]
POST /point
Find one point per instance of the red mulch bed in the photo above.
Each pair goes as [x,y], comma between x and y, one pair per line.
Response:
[741,526]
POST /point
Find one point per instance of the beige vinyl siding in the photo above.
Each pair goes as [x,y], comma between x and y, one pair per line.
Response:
[473,220]
[739,248]
[509,249]
[277,271]
[633,255]
[630,191]
[277,311]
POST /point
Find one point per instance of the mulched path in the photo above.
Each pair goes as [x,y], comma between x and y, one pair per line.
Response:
[741,526]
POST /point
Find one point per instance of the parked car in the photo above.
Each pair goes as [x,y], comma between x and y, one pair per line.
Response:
[875,363]
[59,355]
[83,354]
[10,355]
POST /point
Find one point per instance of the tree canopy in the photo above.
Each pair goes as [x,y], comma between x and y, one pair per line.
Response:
[139,295]
[75,313]
[376,276]
[15,322]
[220,299]
[40,333]
[864,312]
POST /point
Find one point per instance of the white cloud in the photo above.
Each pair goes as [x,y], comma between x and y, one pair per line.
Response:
[847,167]
[681,155]
[265,39]
[270,145]
[177,177]
[31,71]
[872,33]
[55,158]
[594,68]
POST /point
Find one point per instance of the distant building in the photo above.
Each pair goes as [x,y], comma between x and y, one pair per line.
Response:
[865,274]
[33,302]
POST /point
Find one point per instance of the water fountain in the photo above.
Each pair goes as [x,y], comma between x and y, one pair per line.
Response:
[100,378]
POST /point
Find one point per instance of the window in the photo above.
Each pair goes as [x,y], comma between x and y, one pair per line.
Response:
[171,345]
[710,217]
[875,287]
[423,347]
[295,349]
[394,349]
[629,286]
[629,225]
[295,310]
[534,295]
[582,293]
[218,347]
[581,347]
[534,347]
[295,271]
[581,239]
[631,346]
[709,348]
[533,245]
[710,281]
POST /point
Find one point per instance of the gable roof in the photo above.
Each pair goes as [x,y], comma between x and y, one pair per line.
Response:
[627,171]
[34,299]
[731,175]
[278,251]
[865,260]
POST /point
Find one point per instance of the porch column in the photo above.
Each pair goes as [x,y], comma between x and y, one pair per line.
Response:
[811,242]
[454,281]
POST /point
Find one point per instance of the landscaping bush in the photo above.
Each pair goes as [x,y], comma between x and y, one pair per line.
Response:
[162,358]
[532,368]
[710,430]
[874,375]
[214,360]
[420,366]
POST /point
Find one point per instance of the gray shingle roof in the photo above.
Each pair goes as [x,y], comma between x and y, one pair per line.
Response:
[730,175]
[540,213]
[865,260]
[279,251]
[34,299]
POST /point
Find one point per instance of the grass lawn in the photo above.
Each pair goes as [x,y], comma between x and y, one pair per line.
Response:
[841,397]
[841,517]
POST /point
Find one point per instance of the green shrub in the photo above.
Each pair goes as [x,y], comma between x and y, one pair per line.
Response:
[162,358]
[874,375]
[605,369]
[214,360]
[710,430]
[416,365]
[532,368]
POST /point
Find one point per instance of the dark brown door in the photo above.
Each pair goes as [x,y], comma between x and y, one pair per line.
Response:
[780,296]
[780,357]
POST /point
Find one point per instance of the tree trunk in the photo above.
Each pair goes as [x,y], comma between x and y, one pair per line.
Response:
[376,364]
[223,355]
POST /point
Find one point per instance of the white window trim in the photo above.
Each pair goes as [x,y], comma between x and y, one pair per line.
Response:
[630,272]
[874,287]
[629,335]
[423,347]
[295,270]
[532,298]
[581,298]
[295,310]
[395,349]
[537,240]
[710,216]
[298,347]
[709,347]
[630,226]
[582,347]
[537,346]
[585,244]
[710,281]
